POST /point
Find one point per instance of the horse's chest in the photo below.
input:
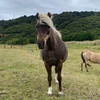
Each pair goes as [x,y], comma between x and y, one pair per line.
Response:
[50,57]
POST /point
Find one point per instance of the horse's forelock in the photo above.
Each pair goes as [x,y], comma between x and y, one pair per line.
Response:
[45,18]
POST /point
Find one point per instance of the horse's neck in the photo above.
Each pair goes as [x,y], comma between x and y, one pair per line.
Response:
[53,42]
[50,44]
[57,32]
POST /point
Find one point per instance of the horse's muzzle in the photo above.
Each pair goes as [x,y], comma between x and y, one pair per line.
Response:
[40,44]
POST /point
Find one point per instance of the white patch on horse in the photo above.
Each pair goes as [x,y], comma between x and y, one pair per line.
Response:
[49,91]
[46,38]
[56,80]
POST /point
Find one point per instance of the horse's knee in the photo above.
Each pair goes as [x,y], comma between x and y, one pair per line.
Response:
[49,78]
[56,70]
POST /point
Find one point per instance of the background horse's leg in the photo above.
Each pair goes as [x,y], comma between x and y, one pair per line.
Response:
[56,74]
[88,64]
[86,67]
[82,66]
[60,78]
[48,68]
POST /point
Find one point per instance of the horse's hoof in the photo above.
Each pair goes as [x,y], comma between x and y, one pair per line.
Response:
[56,81]
[49,94]
[49,91]
[60,93]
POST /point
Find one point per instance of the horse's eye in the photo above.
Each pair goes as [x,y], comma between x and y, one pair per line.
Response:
[48,26]
[44,23]
[48,33]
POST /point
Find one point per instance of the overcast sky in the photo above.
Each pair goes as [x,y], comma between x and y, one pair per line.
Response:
[16,8]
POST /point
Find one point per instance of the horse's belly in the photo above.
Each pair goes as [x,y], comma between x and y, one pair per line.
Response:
[95,60]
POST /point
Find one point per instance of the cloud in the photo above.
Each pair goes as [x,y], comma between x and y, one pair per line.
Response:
[17,8]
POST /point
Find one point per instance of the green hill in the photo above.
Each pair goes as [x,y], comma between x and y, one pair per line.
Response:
[18,31]
[88,26]
[74,26]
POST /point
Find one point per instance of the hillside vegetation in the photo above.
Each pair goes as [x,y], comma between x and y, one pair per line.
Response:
[74,26]
[83,29]
[23,75]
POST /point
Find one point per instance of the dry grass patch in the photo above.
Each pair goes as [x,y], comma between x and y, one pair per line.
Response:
[23,76]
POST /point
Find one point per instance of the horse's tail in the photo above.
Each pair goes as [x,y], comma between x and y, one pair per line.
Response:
[83,57]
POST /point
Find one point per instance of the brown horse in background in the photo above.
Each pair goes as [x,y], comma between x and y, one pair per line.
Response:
[89,56]
[53,49]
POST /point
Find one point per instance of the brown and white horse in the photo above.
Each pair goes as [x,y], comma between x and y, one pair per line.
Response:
[89,56]
[53,49]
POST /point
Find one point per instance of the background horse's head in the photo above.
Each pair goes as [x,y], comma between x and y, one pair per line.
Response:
[43,25]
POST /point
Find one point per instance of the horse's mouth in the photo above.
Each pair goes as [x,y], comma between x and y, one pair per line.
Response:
[40,45]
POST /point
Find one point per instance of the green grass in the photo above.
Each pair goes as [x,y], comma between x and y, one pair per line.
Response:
[23,75]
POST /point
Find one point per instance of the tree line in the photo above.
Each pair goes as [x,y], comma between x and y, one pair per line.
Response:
[74,26]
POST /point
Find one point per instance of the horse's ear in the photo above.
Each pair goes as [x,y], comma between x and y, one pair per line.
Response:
[49,14]
[37,15]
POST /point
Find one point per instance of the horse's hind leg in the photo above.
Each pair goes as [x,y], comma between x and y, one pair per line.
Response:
[82,66]
[89,65]
[60,78]
[86,67]
[56,74]
[48,68]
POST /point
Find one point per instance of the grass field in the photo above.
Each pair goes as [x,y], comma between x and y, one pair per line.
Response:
[23,76]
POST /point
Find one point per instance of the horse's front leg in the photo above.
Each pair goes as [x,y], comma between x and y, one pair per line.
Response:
[56,74]
[60,92]
[48,68]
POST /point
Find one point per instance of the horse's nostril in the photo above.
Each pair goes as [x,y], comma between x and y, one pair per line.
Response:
[40,44]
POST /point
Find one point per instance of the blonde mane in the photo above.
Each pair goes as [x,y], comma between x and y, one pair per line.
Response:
[45,18]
